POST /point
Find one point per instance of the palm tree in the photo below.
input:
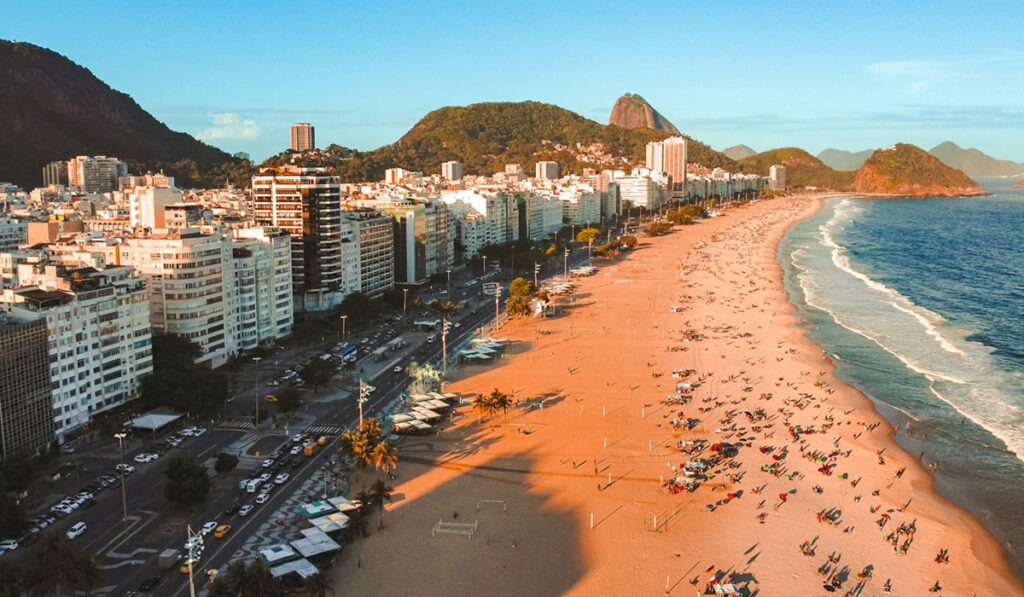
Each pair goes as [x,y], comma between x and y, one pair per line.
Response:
[483,404]
[385,456]
[371,429]
[500,400]
[318,585]
[356,526]
[380,492]
[365,500]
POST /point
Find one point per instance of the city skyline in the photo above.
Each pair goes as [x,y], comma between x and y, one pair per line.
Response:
[768,77]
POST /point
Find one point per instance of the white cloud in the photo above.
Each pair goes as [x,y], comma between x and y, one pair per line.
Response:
[229,125]
[919,76]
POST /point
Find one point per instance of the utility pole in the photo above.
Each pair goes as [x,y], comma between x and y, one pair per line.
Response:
[590,245]
[191,557]
[405,298]
[536,270]
[448,287]
[344,318]
[124,480]
[565,274]
[485,263]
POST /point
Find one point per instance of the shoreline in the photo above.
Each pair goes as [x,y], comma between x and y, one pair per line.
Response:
[601,420]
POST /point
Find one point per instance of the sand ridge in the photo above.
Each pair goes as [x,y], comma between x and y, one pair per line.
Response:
[568,487]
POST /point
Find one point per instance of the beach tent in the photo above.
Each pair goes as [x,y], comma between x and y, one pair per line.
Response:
[424,414]
[302,567]
[330,523]
[401,418]
[342,503]
[404,427]
[314,509]
[436,404]
[421,425]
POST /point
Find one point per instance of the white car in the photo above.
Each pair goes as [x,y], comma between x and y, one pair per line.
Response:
[263,478]
[297,438]
[209,527]
[85,495]
[245,510]
[397,369]
[262,498]
[199,431]
[282,478]
[8,545]
[145,457]
[126,468]
[296,450]
[269,462]
[76,530]
[371,389]
[242,484]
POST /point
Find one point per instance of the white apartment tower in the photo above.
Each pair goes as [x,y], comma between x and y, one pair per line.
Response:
[262,263]
[370,247]
[451,170]
[777,177]
[669,156]
[547,170]
[305,203]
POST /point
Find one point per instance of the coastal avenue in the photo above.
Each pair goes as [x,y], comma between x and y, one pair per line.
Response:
[127,562]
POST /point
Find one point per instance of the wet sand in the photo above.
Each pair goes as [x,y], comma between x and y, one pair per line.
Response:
[570,498]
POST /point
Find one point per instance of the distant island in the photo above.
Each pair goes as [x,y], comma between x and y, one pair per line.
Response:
[908,171]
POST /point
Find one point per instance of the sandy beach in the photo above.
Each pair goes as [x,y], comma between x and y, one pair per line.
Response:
[684,350]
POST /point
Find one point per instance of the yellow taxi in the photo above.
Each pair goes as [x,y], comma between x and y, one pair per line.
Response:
[222,531]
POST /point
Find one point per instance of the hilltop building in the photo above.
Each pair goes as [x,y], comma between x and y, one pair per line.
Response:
[302,138]
[777,177]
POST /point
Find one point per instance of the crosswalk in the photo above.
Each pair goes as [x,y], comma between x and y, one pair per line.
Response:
[325,430]
[243,424]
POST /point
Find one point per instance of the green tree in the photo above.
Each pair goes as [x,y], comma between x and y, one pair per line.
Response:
[628,241]
[179,383]
[500,400]
[58,566]
[484,405]
[317,372]
[187,482]
[225,462]
[381,492]
[243,579]
[318,585]
[587,235]
[518,305]
[659,228]
[521,287]
[288,400]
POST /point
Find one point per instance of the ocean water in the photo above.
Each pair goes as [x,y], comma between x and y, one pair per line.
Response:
[920,305]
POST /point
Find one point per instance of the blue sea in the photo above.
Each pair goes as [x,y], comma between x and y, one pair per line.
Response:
[920,305]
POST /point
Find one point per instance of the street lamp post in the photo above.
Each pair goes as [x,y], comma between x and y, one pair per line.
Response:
[497,297]
[344,319]
[124,480]
[445,326]
[485,263]
[565,273]
[448,286]
[536,270]
[405,300]
[362,399]
[590,245]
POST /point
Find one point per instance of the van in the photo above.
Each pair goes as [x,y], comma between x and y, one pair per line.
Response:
[253,486]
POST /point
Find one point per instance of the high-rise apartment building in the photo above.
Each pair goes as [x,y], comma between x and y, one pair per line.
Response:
[370,250]
[305,203]
[147,205]
[777,177]
[669,156]
[451,170]
[424,239]
[98,174]
[26,405]
[483,219]
[55,174]
[99,335]
[302,137]
[547,170]
[262,264]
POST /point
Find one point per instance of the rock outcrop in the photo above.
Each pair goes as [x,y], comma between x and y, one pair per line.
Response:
[908,171]
[633,112]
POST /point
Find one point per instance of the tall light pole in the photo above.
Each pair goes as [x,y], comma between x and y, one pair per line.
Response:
[405,300]
[192,540]
[344,318]
[257,413]
[497,297]
[536,270]
[124,480]
[362,399]
[448,287]
[445,326]
[485,263]
[590,245]
[565,273]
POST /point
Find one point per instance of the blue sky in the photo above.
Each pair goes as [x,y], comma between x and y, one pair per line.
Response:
[852,75]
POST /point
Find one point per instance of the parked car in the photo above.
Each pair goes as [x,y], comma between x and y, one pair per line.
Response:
[125,469]
[8,545]
[76,530]
[243,483]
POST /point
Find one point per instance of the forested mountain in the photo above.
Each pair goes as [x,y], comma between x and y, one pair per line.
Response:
[802,169]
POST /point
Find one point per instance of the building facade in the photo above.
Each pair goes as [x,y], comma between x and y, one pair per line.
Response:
[262,260]
[669,156]
[302,137]
[13,232]
[95,174]
[370,250]
[547,170]
[451,170]
[777,177]
[305,203]
[26,405]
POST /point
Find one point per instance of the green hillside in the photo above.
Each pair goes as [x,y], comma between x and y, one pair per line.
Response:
[485,137]
[802,169]
[903,166]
